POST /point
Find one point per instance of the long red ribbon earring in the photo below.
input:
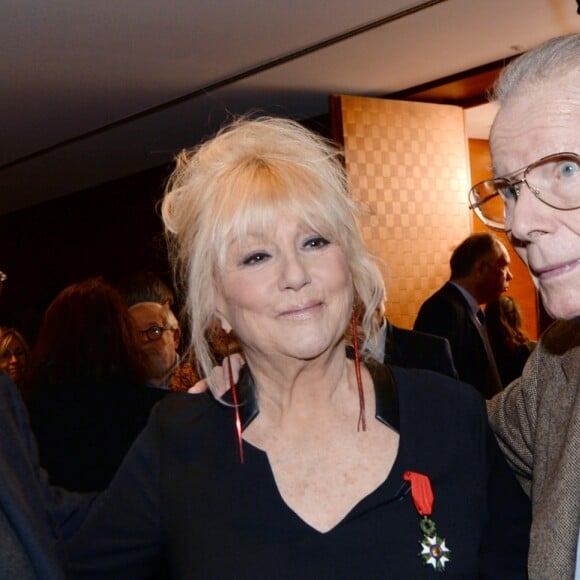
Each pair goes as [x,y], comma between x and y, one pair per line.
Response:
[362,423]
[238,420]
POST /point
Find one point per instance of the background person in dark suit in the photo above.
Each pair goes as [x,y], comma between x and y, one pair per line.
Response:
[413,349]
[479,274]
[34,516]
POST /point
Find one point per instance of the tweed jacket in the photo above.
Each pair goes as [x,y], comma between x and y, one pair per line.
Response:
[537,423]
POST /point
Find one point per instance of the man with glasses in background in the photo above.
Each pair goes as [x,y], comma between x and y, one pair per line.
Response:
[535,198]
[149,301]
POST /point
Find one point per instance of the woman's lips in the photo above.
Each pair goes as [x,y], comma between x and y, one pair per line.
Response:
[301,312]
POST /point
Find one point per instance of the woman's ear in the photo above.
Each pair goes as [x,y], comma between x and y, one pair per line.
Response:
[220,307]
[224,324]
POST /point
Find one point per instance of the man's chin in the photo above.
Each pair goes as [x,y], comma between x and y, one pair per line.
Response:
[157,373]
[562,303]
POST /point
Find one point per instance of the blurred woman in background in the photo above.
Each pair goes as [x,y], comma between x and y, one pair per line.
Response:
[510,344]
[14,355]
[88,398]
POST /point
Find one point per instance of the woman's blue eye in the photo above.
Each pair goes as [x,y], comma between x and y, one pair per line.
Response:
[255,258]
[316,242]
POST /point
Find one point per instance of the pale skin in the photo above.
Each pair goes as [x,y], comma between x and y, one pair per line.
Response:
[14,360]
[160,354]
[287,294]
[528,127]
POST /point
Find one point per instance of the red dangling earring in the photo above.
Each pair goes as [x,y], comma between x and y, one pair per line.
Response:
[238,421]
[362,423]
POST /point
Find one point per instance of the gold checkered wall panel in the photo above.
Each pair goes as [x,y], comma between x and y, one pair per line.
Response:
[408,163]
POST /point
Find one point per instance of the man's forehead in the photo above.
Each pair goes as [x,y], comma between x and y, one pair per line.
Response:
[537,121]
[498,254]
[149,312]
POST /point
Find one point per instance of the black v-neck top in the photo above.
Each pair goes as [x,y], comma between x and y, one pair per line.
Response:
[183,494]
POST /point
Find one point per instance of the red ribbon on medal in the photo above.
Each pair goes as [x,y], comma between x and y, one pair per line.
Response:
[434,550]
[420,491]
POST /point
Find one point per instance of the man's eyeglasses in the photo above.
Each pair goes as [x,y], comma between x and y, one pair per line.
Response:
[154,333]
[554,180]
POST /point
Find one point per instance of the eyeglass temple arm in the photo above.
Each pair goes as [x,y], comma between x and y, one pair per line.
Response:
[482,201]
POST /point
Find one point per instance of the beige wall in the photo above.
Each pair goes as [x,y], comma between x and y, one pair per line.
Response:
[408,163]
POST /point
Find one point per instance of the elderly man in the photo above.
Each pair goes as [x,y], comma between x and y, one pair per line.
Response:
[149,301]
[158,338]
[479,274]
[535,197]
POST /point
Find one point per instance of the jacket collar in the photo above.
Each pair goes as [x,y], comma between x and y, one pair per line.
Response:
[386,395]
[563,339]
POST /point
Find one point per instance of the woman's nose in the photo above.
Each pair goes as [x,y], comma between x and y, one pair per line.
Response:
[294,273]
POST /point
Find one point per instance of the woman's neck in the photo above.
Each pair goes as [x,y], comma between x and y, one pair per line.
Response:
[287,386]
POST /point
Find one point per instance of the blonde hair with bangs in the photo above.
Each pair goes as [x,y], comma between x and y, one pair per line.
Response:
[243,180]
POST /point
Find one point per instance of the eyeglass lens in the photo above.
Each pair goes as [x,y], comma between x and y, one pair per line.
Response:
[554,180]
[153,333]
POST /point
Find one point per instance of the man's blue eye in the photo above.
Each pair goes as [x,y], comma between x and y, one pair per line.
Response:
[568,168]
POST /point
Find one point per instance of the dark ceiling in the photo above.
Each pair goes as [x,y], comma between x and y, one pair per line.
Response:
[95,91]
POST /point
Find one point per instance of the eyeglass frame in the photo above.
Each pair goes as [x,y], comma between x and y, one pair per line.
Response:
[155,328]
[515,185]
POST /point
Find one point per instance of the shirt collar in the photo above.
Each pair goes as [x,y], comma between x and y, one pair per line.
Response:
[471,301]
[386,395]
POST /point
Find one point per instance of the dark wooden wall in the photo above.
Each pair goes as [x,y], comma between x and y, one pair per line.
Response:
[110,230]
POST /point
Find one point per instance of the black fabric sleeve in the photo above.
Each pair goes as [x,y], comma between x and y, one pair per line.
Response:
[121,537]
[504,549]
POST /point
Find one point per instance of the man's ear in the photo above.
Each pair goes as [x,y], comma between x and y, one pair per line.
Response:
[480,266]
[176,337]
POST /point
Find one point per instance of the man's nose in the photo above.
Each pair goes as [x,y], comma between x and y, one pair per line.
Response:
[528,216]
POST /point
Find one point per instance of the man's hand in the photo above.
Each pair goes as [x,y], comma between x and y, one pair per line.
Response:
[219,377]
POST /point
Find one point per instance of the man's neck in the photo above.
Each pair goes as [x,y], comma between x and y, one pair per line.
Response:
[469,286]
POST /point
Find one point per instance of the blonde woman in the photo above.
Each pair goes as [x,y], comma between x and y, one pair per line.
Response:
[316,464]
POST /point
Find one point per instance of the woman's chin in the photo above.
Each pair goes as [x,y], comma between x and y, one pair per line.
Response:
[311,350]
